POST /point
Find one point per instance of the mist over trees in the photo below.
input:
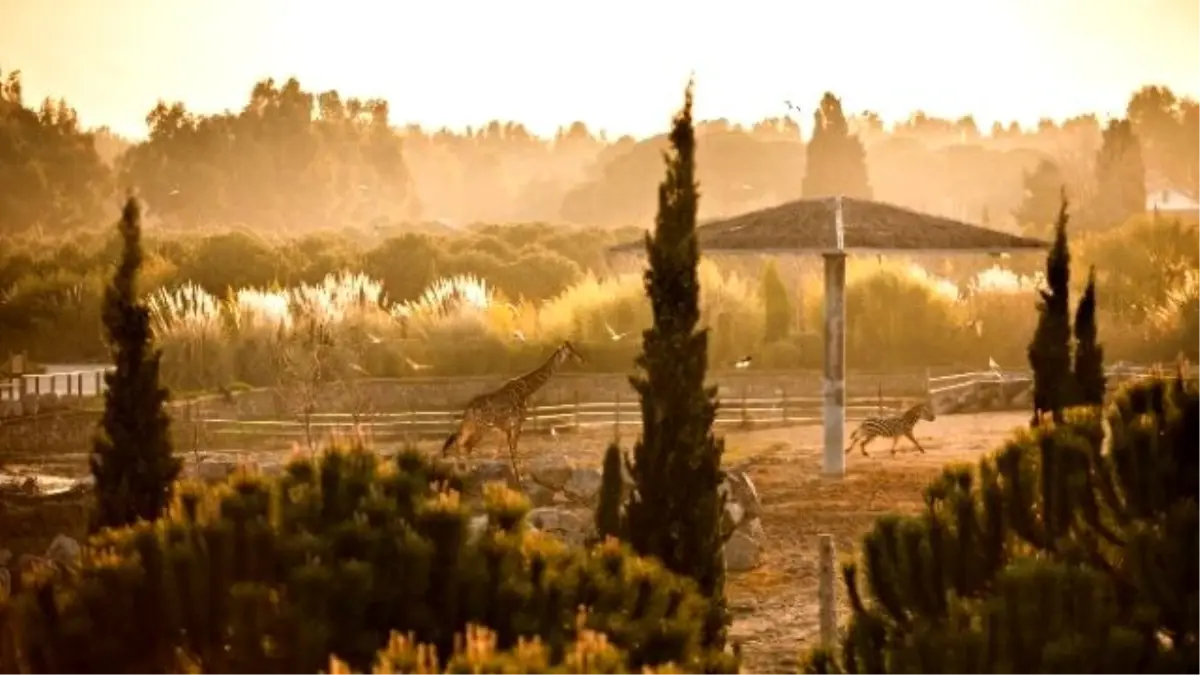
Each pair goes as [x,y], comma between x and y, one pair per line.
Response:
[294,160]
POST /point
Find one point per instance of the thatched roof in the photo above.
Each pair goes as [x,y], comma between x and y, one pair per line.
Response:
[811,225]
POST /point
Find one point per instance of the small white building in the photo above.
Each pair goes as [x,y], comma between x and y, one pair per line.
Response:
[1170,201]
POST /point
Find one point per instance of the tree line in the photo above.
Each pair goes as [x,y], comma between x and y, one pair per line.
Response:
[293,159]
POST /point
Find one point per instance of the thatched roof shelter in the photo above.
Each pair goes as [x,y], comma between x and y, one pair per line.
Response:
[811,226]
[835,227]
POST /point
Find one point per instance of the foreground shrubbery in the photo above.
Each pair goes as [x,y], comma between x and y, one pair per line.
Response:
[331,557]
[1063,552]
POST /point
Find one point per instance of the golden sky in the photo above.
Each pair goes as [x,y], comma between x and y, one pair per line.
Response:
[619,65]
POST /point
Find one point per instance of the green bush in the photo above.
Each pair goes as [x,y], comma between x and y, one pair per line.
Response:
[1063,552]
[331,557]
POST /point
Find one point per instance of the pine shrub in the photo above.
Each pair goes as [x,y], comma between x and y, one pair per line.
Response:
[330,558]
[1064,552]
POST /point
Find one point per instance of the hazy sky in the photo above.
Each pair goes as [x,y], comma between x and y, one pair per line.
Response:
[616,64]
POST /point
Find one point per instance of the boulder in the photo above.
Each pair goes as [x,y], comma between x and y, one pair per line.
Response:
[570,526]
[538,494]
[65,552]
[551,471]
[583,485]
[742,552]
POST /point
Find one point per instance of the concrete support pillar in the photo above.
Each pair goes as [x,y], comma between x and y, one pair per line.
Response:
[834,380]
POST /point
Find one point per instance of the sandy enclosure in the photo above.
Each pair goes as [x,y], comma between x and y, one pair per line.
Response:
[774,606]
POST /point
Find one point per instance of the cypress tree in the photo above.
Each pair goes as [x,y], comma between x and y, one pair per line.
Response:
[1089,355]
[674,512]
[131,460]
[835,160]
[1050,350]
[608,509]
[776,307]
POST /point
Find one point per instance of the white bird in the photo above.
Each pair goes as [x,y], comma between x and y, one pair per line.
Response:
[995,368]
[358,369]
[416,366]
[520,336]
[743,363]
[374,339]
[614,334]
[554,433]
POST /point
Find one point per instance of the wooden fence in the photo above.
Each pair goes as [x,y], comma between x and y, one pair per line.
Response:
[554,419]
[956,382]
[79,383]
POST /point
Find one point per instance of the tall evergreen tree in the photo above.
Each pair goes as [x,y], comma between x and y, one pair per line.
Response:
[836,162]
[1089,355]
[1120,176]
[675,508]
[131,460]
[1050,350]
[612,487]
[777,309]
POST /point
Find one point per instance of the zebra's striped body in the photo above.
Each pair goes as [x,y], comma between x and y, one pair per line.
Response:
[890,427]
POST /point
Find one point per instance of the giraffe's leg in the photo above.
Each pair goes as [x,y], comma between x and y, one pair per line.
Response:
[913,438]
[514,435]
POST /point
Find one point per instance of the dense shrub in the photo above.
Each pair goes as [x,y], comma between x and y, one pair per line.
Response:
[276,574]
[1063,552]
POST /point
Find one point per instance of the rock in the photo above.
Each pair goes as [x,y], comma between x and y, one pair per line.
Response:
[65,551]
[742,552]
[569,526]
[583,485]
[487,471]
[552,471]
[476,526]
[538,494]
[753,526]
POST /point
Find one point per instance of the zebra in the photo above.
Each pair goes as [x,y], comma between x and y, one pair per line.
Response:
[891,427]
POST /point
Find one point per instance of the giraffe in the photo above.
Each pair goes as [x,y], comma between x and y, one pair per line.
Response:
[504,409]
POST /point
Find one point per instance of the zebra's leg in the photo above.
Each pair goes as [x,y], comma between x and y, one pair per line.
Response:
[895,440]
[913,438]
[863,445]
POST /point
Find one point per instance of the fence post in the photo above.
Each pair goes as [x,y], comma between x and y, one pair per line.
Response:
[576,415]
[99,381]
[70,383]
[617,419]
[745,413]
[783,401]
[412,423]
[24,387]
[826,591]
[79,384]
[37,385]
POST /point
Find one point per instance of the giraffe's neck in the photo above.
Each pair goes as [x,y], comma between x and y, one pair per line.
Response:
[533,380]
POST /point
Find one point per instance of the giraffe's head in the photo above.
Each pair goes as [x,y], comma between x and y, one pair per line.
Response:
[567,352]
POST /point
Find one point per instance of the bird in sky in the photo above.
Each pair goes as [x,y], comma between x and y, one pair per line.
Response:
[612,334]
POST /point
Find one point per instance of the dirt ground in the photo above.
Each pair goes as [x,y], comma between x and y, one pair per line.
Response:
[774,606]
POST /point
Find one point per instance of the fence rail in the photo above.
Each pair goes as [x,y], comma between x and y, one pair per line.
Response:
[80,383]
[942,384]
[542,419]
